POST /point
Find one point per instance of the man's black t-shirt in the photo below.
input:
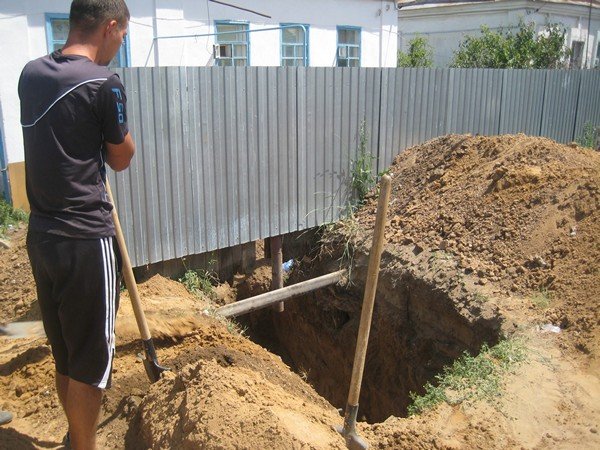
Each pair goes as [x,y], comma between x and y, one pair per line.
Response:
[69,107]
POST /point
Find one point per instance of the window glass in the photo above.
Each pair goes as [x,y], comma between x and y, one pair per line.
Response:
[60,29]
[233,34]
[348,51]
[293,35]
[294,49]
[576,54]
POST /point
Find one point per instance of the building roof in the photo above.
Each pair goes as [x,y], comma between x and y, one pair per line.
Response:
[433,3]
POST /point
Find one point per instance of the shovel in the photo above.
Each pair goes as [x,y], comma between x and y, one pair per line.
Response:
[348,430]
[153,368]
[36,328]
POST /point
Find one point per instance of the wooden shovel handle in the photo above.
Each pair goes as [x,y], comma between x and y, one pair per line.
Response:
[130,282]
[370,289]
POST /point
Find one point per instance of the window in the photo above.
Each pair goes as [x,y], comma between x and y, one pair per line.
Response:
[57,30]
[294,47]
[234,44]
[597,61]
[576,55]
[348,48]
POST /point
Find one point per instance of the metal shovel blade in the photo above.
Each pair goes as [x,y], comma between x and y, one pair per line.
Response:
[17,330]
[353,440]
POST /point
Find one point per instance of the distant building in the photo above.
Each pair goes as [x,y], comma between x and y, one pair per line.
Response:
[357,33]
[446,22]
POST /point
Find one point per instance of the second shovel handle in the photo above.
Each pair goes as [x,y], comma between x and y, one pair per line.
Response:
[370,289]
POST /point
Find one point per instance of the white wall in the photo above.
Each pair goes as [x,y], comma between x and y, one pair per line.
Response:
[23,37]
[378,20]
[445,26]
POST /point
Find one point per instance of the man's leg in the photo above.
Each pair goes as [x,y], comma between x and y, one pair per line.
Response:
[79,284]
[62,388]
[83,411]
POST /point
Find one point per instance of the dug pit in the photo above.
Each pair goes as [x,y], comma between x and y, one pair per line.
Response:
[421,323]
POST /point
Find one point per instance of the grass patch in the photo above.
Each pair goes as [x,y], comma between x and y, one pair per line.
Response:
[362,178]
[200,281]
[480,298]
[590,136]
[471,377]
[10,216]
[341,235]
[542,299]
[232,326]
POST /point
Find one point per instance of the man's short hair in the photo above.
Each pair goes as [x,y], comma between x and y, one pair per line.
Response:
[88,15]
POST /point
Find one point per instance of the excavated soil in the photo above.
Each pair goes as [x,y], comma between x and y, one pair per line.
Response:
[521,213]
[482,233]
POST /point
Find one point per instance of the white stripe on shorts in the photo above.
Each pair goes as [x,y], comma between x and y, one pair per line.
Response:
[110,275]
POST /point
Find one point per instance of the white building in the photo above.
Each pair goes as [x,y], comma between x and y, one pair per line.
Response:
[257,33]
[446,22]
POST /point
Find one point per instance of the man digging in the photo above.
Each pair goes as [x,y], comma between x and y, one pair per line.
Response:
[74,121]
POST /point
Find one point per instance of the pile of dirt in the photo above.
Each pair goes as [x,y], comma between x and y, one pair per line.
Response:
[213,405]
[519,213]
[222,388]
[17,288]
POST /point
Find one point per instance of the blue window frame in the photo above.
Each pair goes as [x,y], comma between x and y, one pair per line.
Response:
[57,30]
[294,45]
[348,46]
[234,42]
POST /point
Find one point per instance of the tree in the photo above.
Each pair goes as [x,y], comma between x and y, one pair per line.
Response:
[522,48]
[420,54]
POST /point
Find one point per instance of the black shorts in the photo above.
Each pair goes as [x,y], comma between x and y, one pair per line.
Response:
[78,292]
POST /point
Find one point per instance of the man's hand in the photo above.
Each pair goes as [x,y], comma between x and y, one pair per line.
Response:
[118,156]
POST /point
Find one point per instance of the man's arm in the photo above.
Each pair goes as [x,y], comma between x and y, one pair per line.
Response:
[118,156]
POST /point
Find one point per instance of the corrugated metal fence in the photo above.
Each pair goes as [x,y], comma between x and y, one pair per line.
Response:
[230,155]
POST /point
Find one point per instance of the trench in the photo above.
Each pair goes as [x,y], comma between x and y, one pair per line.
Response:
[417,330]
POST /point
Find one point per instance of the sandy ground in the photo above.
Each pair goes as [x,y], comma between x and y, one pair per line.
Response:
[520,216]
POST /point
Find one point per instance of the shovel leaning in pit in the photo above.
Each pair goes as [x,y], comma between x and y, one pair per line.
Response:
[153,369]
[348,430]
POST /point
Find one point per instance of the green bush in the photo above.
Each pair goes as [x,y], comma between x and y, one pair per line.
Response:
[362,178]
[420,54]
[10,216]
[590,137]
[199,281]
[521,48]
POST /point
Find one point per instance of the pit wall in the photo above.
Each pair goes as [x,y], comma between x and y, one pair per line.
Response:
[418,327]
